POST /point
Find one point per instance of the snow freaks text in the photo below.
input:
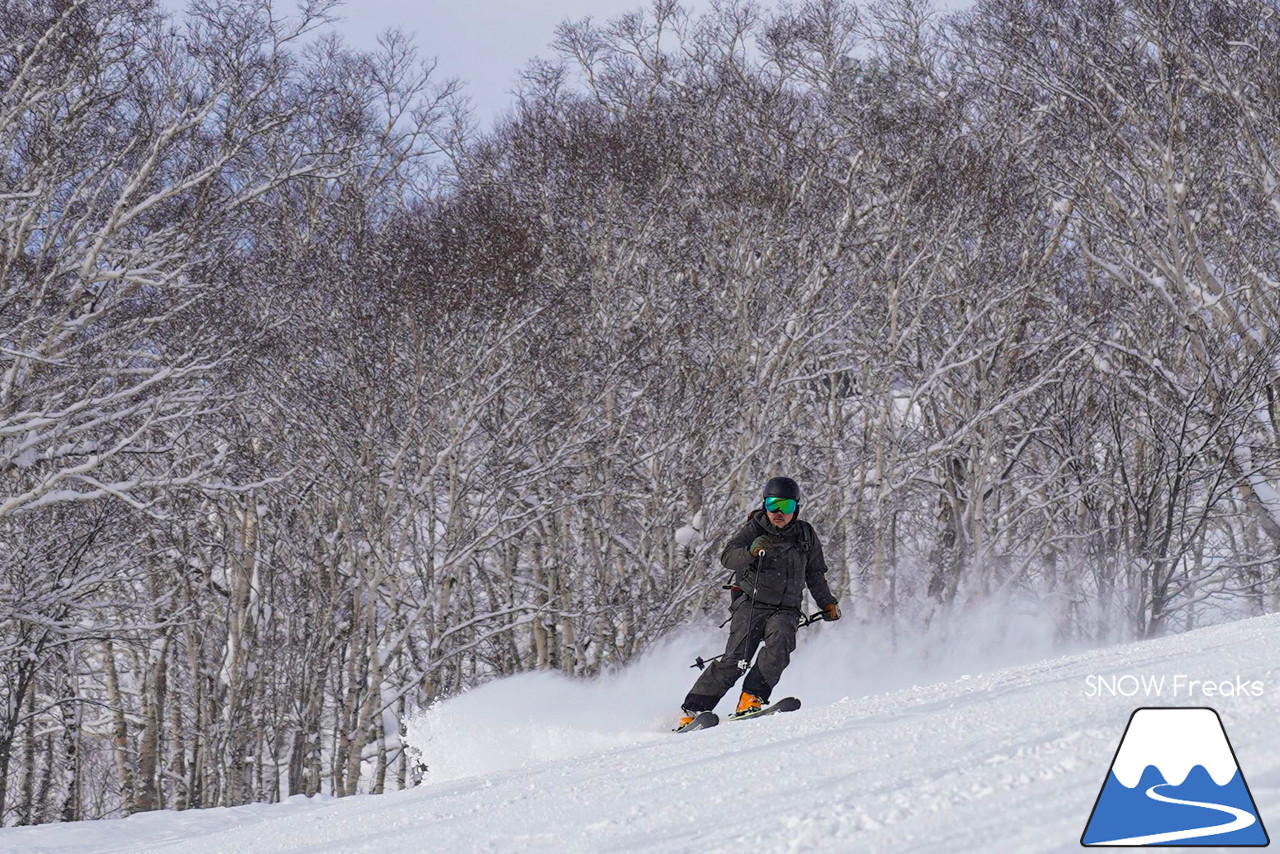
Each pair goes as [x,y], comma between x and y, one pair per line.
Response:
[1178,685]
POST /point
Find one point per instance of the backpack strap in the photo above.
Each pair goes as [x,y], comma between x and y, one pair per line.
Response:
[805,540]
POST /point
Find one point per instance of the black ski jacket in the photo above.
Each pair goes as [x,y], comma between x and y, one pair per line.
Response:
[780,575]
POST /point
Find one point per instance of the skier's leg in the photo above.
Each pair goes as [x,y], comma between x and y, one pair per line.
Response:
[745,633]
[779,643]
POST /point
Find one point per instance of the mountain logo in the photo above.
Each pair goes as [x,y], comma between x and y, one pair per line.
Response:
[1175,781]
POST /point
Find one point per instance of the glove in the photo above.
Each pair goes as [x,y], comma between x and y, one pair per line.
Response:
[762,543]
[831,612]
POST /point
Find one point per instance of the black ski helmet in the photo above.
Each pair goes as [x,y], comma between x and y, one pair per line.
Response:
[782,487]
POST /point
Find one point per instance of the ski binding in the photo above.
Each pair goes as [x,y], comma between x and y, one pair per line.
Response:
[703,720]
[786,704]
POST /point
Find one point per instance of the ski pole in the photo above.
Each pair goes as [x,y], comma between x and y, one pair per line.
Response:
[813,618]
[701,663]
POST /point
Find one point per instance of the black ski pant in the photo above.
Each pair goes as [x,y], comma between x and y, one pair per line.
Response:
[748,626]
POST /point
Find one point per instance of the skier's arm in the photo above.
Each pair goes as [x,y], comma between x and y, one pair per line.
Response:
[815,575]
[737,552]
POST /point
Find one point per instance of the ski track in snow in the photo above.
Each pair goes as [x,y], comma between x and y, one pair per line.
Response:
[1007,761]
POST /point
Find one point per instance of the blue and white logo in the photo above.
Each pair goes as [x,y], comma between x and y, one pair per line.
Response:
[1175,781]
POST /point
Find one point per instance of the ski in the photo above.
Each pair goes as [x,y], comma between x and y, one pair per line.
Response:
[704,720]
[786,704]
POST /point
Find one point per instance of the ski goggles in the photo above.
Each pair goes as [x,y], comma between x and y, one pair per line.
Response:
[780,505]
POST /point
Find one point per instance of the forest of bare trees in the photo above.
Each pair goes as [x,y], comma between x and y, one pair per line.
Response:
[319,403]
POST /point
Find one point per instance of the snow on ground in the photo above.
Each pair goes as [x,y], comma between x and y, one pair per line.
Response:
[1008,760]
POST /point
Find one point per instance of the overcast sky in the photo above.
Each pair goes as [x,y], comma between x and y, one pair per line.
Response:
[484,42]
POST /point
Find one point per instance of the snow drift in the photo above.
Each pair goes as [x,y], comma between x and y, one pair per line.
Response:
[1008,760]
[542,716]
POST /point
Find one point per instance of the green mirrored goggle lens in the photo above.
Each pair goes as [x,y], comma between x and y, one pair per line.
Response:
[780,505]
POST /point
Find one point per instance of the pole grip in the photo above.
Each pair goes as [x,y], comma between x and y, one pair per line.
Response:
[812,618]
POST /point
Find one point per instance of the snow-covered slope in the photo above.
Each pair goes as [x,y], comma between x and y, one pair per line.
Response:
[1009,761]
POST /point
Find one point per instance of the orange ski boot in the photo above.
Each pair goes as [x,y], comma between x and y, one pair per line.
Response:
[748,704]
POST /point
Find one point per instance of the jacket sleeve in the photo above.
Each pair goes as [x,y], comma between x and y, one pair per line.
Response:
[737,553]
[815,573]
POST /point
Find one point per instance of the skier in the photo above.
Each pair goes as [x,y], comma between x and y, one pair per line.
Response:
[774,556]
